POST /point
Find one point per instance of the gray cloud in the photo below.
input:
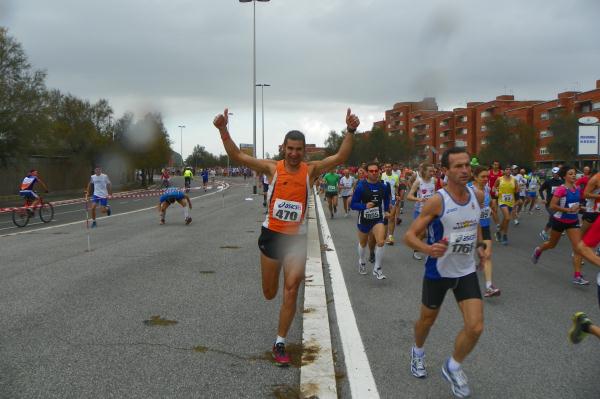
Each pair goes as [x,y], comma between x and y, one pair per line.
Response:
[190,59]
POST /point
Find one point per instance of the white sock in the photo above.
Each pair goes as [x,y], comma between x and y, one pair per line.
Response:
[453,365]
[279,340]
[186,212]
[362,252]
[419,351]
[488,284]
[378,256]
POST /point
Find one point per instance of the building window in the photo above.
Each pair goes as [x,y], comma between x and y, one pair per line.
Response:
[486,114]
[546,133]
[544,116]
[426,126]
[484,128]
[596,106]
[464,118]
[414,129]
[401,123]
[464,131]
[443,145]
[484,141]
[401,113]
[544,151]
[586,107]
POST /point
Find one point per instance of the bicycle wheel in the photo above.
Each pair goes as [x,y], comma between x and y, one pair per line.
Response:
[20,217]
[46,212]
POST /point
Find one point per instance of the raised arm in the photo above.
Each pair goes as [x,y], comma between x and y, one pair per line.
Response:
[318,167]
[259,165]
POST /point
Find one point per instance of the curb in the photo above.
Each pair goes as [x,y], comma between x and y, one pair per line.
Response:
[317,374]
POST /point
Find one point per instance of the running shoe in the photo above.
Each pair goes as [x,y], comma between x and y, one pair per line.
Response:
[188,220]
[492,291]
[280,356]
[398,221]
[162,221]
[580,280]
[504,239]
[516,222]
[94,224]
[378,273]
[535,257]
[497,227]
[332,215]
[372,257]
[390,240]
[417,364]
[458,381]
[108,211]
[537,208]
[362,268]
[264,203]
[576,333]
[416,256]
[544,235]
[497,236]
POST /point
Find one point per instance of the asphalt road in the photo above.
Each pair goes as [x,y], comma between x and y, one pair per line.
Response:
[177,311]
[523,352]
[150,312]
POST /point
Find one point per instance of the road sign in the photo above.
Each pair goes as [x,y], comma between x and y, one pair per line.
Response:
[588,140]
[588,120]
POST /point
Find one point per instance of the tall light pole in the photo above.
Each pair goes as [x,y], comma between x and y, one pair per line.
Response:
[254,190]
[262,100]
[181,127]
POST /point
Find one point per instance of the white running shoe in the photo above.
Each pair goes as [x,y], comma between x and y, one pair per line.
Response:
[362,268]
[417,364]
[379,274]
[416,256]
[516,222]
[458,381]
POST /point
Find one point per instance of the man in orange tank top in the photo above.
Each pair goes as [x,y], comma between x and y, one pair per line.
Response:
[282,242]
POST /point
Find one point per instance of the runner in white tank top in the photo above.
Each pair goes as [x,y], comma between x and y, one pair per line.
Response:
[452,217]
[421,190]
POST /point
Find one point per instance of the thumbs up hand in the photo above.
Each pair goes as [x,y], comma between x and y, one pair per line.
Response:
[352,121]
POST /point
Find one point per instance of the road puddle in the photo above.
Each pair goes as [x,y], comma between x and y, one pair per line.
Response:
[159,321]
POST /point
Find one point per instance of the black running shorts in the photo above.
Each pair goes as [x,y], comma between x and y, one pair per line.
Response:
[276,245]
[590,217]
[434,291]
[559,226]
[486,234]
[330,195]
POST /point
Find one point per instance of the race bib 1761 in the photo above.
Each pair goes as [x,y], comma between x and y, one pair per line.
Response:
[462,243]
[287,211]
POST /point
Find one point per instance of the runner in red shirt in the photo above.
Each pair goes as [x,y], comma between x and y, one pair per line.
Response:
[495,173]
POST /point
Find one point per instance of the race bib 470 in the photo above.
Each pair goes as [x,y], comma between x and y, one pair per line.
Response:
[287,211]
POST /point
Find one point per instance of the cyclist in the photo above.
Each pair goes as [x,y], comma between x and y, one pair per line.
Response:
[27,185]
[164,177]
[188,176]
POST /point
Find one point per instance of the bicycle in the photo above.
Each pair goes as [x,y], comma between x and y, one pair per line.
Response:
[21,216]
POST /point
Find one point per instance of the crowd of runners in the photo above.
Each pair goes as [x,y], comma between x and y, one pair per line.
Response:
[460,209]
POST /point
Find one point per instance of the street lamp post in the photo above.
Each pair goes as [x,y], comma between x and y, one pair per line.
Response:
[254,190]
[262,101]
[181,127]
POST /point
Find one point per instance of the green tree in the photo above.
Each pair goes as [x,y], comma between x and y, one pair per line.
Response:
[509,141]
[22,91]
[564,144]
[202,158]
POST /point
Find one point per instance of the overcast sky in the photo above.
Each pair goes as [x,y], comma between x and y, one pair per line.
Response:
[189,59]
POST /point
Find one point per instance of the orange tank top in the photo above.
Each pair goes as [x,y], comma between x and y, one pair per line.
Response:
[288,196]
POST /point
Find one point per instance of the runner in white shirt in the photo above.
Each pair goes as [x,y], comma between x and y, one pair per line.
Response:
[347,184]
[389,177]
[102,189]
[421,190]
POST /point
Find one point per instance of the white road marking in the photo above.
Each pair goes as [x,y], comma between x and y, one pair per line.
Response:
[360,377]
[112,216]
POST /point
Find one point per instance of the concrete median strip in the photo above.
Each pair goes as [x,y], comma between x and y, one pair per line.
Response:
[317,374]
[360,378]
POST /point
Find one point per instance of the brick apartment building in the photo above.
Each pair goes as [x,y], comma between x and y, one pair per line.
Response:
[433,130]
